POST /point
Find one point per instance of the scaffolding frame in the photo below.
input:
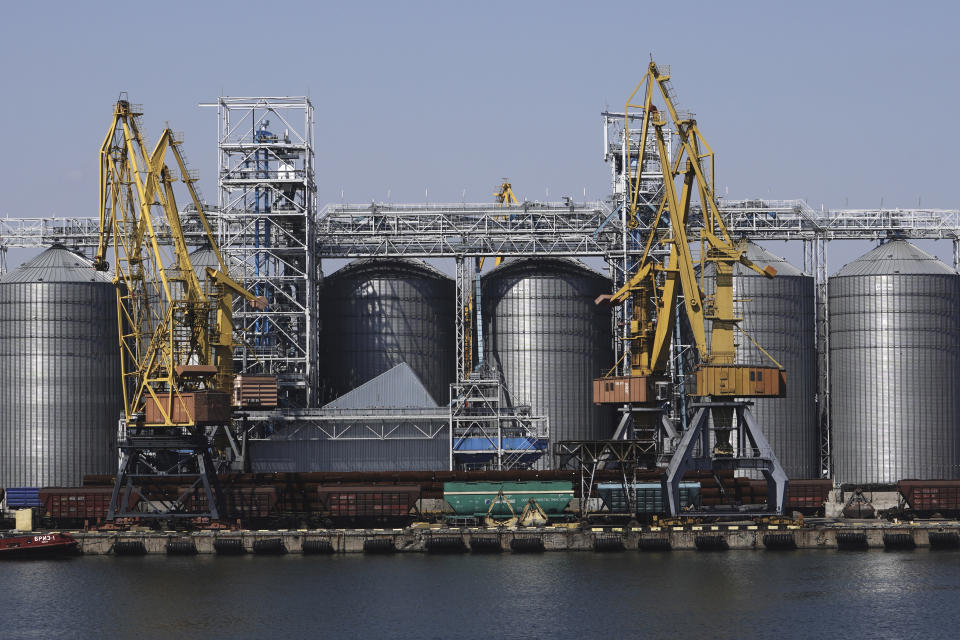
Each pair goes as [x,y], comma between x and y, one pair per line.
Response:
[266,224]
[588,457]
[479,409]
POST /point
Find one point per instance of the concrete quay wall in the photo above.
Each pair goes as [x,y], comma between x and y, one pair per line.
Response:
[560,538]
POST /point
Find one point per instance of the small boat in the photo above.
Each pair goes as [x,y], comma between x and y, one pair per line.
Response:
[35,545]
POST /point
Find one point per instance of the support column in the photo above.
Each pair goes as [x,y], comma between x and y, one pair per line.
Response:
[460,300]
[822,336]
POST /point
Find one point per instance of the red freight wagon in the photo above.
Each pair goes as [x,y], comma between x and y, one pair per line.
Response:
[367,504]
[69,506]
[245,503]
[927,497]
[806,496]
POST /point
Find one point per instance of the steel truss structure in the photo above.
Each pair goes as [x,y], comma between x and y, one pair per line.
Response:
[344,425]
[269,226]
[349,424]
[597,229]
[465,230]
[80,234]
[587,457]
[488,433]
[266,223]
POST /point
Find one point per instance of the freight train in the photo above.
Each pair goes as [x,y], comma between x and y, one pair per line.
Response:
[354,500]
[342,500]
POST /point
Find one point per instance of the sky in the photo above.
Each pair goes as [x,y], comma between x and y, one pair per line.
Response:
[844,104]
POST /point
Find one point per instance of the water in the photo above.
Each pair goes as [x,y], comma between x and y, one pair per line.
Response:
[748,594]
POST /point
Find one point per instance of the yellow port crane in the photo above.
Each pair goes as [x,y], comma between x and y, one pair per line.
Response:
[654,286]
[176,334]
[503,196]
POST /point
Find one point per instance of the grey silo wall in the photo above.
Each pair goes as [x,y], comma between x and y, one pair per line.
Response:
[779,314]
[376,314]
[549,340]
[60,399]
[894,366]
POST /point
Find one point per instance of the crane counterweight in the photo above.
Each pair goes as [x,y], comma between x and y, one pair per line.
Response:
[663,297]
[176,333]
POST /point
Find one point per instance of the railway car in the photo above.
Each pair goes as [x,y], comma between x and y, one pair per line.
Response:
[649,497]
[808,497]
[366,505]
[255,506]
[63,507]
[929,498]
[471,501]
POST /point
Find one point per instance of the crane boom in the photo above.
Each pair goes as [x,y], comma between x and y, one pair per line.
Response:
[662,282]
[665,272]
[175,334]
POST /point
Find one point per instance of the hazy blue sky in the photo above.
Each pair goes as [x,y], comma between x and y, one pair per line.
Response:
[839,103]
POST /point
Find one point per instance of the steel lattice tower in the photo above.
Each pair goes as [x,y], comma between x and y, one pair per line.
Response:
[266,227]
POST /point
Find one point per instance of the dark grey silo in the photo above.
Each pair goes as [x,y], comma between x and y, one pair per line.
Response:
[549,340]
[779,314]
[60,400]
[894,366]
[377,313]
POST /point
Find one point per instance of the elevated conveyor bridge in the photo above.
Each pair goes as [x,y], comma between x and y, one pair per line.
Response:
[594,229]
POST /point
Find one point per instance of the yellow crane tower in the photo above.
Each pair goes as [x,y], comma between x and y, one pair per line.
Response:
[471,310]
[654,287]
[176,334]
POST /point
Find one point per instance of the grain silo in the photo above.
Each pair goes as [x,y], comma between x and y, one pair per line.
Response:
[894,366]
[378,313]
[547,338]
[779,314]
[60,400]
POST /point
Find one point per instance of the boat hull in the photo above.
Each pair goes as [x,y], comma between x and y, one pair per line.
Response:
[36,545]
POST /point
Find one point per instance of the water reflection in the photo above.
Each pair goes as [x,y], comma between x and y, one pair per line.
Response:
[586,595]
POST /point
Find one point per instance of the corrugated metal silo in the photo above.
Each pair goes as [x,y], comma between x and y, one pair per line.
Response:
[549,340]
[60,366]
[894,366]
[779,314]
[377,313]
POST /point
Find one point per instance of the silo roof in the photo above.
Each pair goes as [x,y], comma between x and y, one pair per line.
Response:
[895,257]
[361,264]
[511,262]
[57,264]
[763,258]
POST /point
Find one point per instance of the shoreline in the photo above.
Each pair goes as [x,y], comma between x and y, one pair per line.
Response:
[434,539]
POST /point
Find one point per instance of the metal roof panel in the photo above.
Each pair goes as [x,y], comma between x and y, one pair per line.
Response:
[895,257]
[57,264]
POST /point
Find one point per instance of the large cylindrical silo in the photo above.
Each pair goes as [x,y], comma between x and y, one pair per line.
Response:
[548,340]
[377,313]
[60,365]
[779,315]
[894,366]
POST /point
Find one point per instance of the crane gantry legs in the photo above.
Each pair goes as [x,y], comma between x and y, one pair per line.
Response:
[175,333]
[665,284]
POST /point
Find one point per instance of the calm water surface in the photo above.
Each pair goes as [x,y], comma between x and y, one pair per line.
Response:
[800,594]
